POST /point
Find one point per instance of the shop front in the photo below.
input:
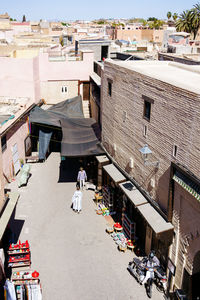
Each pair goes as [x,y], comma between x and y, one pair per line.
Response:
[112,194]
[102,160]
[159,233]
[147,226]
[132,220]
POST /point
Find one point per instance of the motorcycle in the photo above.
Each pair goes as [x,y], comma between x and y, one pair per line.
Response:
[160,279]
[149,281]
[140,270]
[137,269]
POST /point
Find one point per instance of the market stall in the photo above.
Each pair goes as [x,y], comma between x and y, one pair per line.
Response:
[112,195]
[23,283]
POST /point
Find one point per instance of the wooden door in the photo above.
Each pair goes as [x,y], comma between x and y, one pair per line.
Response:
[86,91]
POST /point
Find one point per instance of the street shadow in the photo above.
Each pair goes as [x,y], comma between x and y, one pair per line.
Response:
[70,166]
[11,236]
[14,228]
[69,169]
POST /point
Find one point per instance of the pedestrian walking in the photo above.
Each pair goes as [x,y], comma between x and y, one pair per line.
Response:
[82,177]
[77,200]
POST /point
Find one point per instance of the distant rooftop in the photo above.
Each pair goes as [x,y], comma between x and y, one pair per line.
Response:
[193,57]
[20,23]
[4,16]
[177,74]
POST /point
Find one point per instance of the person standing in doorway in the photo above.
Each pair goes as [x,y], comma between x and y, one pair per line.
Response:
[77,200]
[82,177]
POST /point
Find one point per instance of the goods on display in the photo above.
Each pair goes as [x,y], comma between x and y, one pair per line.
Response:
[108,197]
[120,238]
[24,284]
[19,255]
[129,227]
[103,210]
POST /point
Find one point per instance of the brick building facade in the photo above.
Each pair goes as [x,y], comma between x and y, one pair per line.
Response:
[156,103]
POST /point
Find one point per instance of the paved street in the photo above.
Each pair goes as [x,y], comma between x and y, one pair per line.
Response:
[76,259]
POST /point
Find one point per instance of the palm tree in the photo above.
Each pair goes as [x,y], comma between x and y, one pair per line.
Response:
[184,22]
[169,15]
[196,19]
[175,17]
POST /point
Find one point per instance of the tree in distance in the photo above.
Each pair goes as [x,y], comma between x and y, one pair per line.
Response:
[169,15]
[175,17]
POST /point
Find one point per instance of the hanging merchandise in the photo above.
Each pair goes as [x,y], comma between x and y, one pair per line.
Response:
[9,291]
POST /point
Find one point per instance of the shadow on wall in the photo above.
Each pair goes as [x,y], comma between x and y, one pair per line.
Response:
[163,191]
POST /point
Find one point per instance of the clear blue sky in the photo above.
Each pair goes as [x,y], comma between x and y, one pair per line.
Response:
[88,9]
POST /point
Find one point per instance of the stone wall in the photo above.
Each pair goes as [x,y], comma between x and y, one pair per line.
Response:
[175,120]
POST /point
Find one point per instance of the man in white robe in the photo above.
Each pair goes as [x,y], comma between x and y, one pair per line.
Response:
[77,200]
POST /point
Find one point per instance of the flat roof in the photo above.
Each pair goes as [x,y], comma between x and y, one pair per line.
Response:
[114,173]
[154,219]
[177,74]
[133,193]
[96,78]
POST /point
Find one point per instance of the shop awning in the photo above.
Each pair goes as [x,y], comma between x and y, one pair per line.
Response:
[13,197]
[114,173]
[80,137]
[133,193]
[187,184]
[154,219]
[102,159]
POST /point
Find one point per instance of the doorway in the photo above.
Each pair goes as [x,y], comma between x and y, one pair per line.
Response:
[86,90]
[196,277]
[104,52]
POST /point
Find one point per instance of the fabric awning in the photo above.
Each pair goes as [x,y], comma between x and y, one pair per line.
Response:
[154,219]
[13,197]
[187,184]
[71,108]
[114,173]
[133,193]
[79,138]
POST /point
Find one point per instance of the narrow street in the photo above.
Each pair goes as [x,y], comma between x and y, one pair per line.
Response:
[74,255]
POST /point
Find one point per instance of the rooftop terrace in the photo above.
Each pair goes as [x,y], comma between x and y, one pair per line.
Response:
[177,74]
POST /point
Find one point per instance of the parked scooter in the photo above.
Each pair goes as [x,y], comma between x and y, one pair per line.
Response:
[137,269]
[143,270]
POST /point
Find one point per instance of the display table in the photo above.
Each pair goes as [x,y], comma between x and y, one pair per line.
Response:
[97,197]
[118,229]
[122,248]
[131,247]
[109,229]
